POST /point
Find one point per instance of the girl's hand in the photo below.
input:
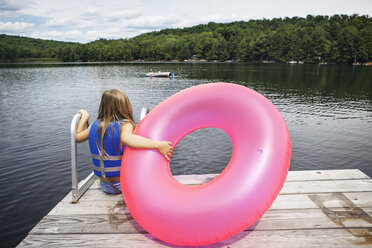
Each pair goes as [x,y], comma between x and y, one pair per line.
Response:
[81,133]
[84,114]
[165,148]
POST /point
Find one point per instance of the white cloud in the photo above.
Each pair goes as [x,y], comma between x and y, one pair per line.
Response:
[73,35]
[91,11]
[58,22]
[14,5]
[15,26]
[94,35]
[102,17]
[10,10]
[125,14]
[150,22]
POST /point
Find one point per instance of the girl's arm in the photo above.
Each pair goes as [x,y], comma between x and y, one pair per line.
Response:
[81,134]
[136,141]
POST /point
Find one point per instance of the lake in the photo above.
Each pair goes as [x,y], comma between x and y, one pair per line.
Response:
[327,108]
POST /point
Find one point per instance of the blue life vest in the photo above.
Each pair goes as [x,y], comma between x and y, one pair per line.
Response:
[109,164]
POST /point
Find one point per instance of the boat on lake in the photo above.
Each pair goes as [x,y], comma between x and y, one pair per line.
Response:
[159,74]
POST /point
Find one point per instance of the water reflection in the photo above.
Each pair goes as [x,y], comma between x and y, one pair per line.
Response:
[335,80]
[203,151]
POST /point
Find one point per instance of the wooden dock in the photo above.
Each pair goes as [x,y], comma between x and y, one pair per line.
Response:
[326,208]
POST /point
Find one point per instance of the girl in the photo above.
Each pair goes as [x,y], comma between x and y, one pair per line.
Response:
[108,136]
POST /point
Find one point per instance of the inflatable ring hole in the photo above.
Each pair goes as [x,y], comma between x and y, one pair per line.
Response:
[203,151]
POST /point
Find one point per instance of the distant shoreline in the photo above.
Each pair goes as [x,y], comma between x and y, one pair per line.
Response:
[55,62]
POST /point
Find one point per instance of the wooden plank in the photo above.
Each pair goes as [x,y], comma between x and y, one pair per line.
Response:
[281,238]
[309,175]
[310,187]
[361,199]
[102,203]
[271,220]
[95,195]
[306,187]
[89,207]
[316,175]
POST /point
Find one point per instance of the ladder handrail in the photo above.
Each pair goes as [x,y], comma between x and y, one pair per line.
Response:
[78,189]
[144,112]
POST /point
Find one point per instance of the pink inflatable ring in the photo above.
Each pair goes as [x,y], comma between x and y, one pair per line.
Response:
[234,200]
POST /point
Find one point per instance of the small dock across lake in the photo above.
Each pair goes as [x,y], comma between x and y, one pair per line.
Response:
[325,208]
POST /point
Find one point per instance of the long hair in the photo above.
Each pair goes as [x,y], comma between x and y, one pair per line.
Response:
[114,106]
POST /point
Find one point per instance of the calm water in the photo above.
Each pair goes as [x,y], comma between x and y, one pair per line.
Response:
[328,111]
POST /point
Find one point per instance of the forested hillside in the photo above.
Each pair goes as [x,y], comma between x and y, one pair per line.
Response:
[314,39]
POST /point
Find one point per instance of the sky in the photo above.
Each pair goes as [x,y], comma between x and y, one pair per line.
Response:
[88,20]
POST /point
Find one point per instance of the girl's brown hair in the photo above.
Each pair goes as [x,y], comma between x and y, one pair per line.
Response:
[114,106]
